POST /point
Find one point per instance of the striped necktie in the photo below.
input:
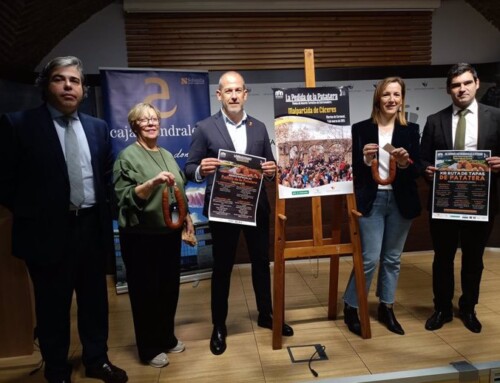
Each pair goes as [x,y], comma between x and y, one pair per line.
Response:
[72,150]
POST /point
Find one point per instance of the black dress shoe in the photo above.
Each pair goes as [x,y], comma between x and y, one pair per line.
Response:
[387,317]
[437,320]
[107,372]
[351,319]
[218,340]
[470,321]
[266,321]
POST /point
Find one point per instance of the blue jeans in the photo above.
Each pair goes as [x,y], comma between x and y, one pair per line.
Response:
[383,234]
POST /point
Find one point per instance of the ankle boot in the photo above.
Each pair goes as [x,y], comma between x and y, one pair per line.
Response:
[351,319]
[387,317]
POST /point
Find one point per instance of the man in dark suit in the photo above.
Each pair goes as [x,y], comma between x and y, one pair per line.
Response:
[482,132]
[232,129]
[54,169]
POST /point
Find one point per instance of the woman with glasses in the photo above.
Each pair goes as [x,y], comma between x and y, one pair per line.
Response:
[149,187]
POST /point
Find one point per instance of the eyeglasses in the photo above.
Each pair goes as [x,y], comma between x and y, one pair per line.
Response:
[147,121]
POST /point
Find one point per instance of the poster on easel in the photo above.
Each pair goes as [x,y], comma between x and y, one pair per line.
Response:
[313,141]
[461,185]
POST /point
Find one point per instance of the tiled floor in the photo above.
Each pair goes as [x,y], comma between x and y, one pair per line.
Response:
[250,358]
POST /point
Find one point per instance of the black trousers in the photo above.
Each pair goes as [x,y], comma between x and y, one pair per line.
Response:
[446,237]
[82,271]
[225,240]
[152,263]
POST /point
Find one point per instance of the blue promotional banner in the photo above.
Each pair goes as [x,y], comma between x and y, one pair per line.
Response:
[183,99]
[181,96]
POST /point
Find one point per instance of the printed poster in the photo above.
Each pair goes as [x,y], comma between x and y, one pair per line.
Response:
[236,188]
[461,185]
[313,141]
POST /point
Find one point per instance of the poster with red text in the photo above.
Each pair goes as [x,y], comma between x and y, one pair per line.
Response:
[461,185]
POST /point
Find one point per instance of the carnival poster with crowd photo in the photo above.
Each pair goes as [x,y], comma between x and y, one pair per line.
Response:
[313,141]
[182,98]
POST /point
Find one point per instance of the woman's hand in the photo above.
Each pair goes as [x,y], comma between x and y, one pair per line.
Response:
[163,178]
[370,151]
[145,190]
[402,157]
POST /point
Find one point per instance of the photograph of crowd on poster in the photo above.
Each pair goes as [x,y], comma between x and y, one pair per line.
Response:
[313,141]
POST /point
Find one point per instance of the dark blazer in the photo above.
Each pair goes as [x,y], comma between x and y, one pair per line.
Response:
[35,184]
[437,135]
[211,134]
[404,186]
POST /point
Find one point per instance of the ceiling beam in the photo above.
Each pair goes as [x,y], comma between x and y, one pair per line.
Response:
[180,6]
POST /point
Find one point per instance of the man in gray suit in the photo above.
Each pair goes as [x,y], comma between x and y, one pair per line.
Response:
[232,129]
[55,167]
[481,132]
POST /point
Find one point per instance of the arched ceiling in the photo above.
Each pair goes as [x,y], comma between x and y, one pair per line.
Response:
[29,29]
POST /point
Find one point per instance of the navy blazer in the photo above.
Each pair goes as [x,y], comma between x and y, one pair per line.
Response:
[404,186]
[35,183]
[437,135]
[211,134]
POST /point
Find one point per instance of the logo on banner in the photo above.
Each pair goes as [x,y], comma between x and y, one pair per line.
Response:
[163,95]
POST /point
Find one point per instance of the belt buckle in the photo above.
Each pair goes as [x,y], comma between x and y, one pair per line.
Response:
[73,210]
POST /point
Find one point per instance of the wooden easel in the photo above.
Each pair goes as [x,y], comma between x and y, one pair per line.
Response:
[318,246]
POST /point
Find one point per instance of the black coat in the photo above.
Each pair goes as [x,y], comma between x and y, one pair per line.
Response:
[35,185]
[404,186]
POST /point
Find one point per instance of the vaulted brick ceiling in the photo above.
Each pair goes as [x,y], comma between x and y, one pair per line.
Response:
[29,29]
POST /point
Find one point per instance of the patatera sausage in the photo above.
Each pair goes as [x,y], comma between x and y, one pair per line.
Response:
[166,208]
[392,172]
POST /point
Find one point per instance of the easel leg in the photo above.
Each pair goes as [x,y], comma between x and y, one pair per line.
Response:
[334,287]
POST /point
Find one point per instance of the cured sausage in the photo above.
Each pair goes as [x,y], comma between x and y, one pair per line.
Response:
[392,172]
[166,208]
